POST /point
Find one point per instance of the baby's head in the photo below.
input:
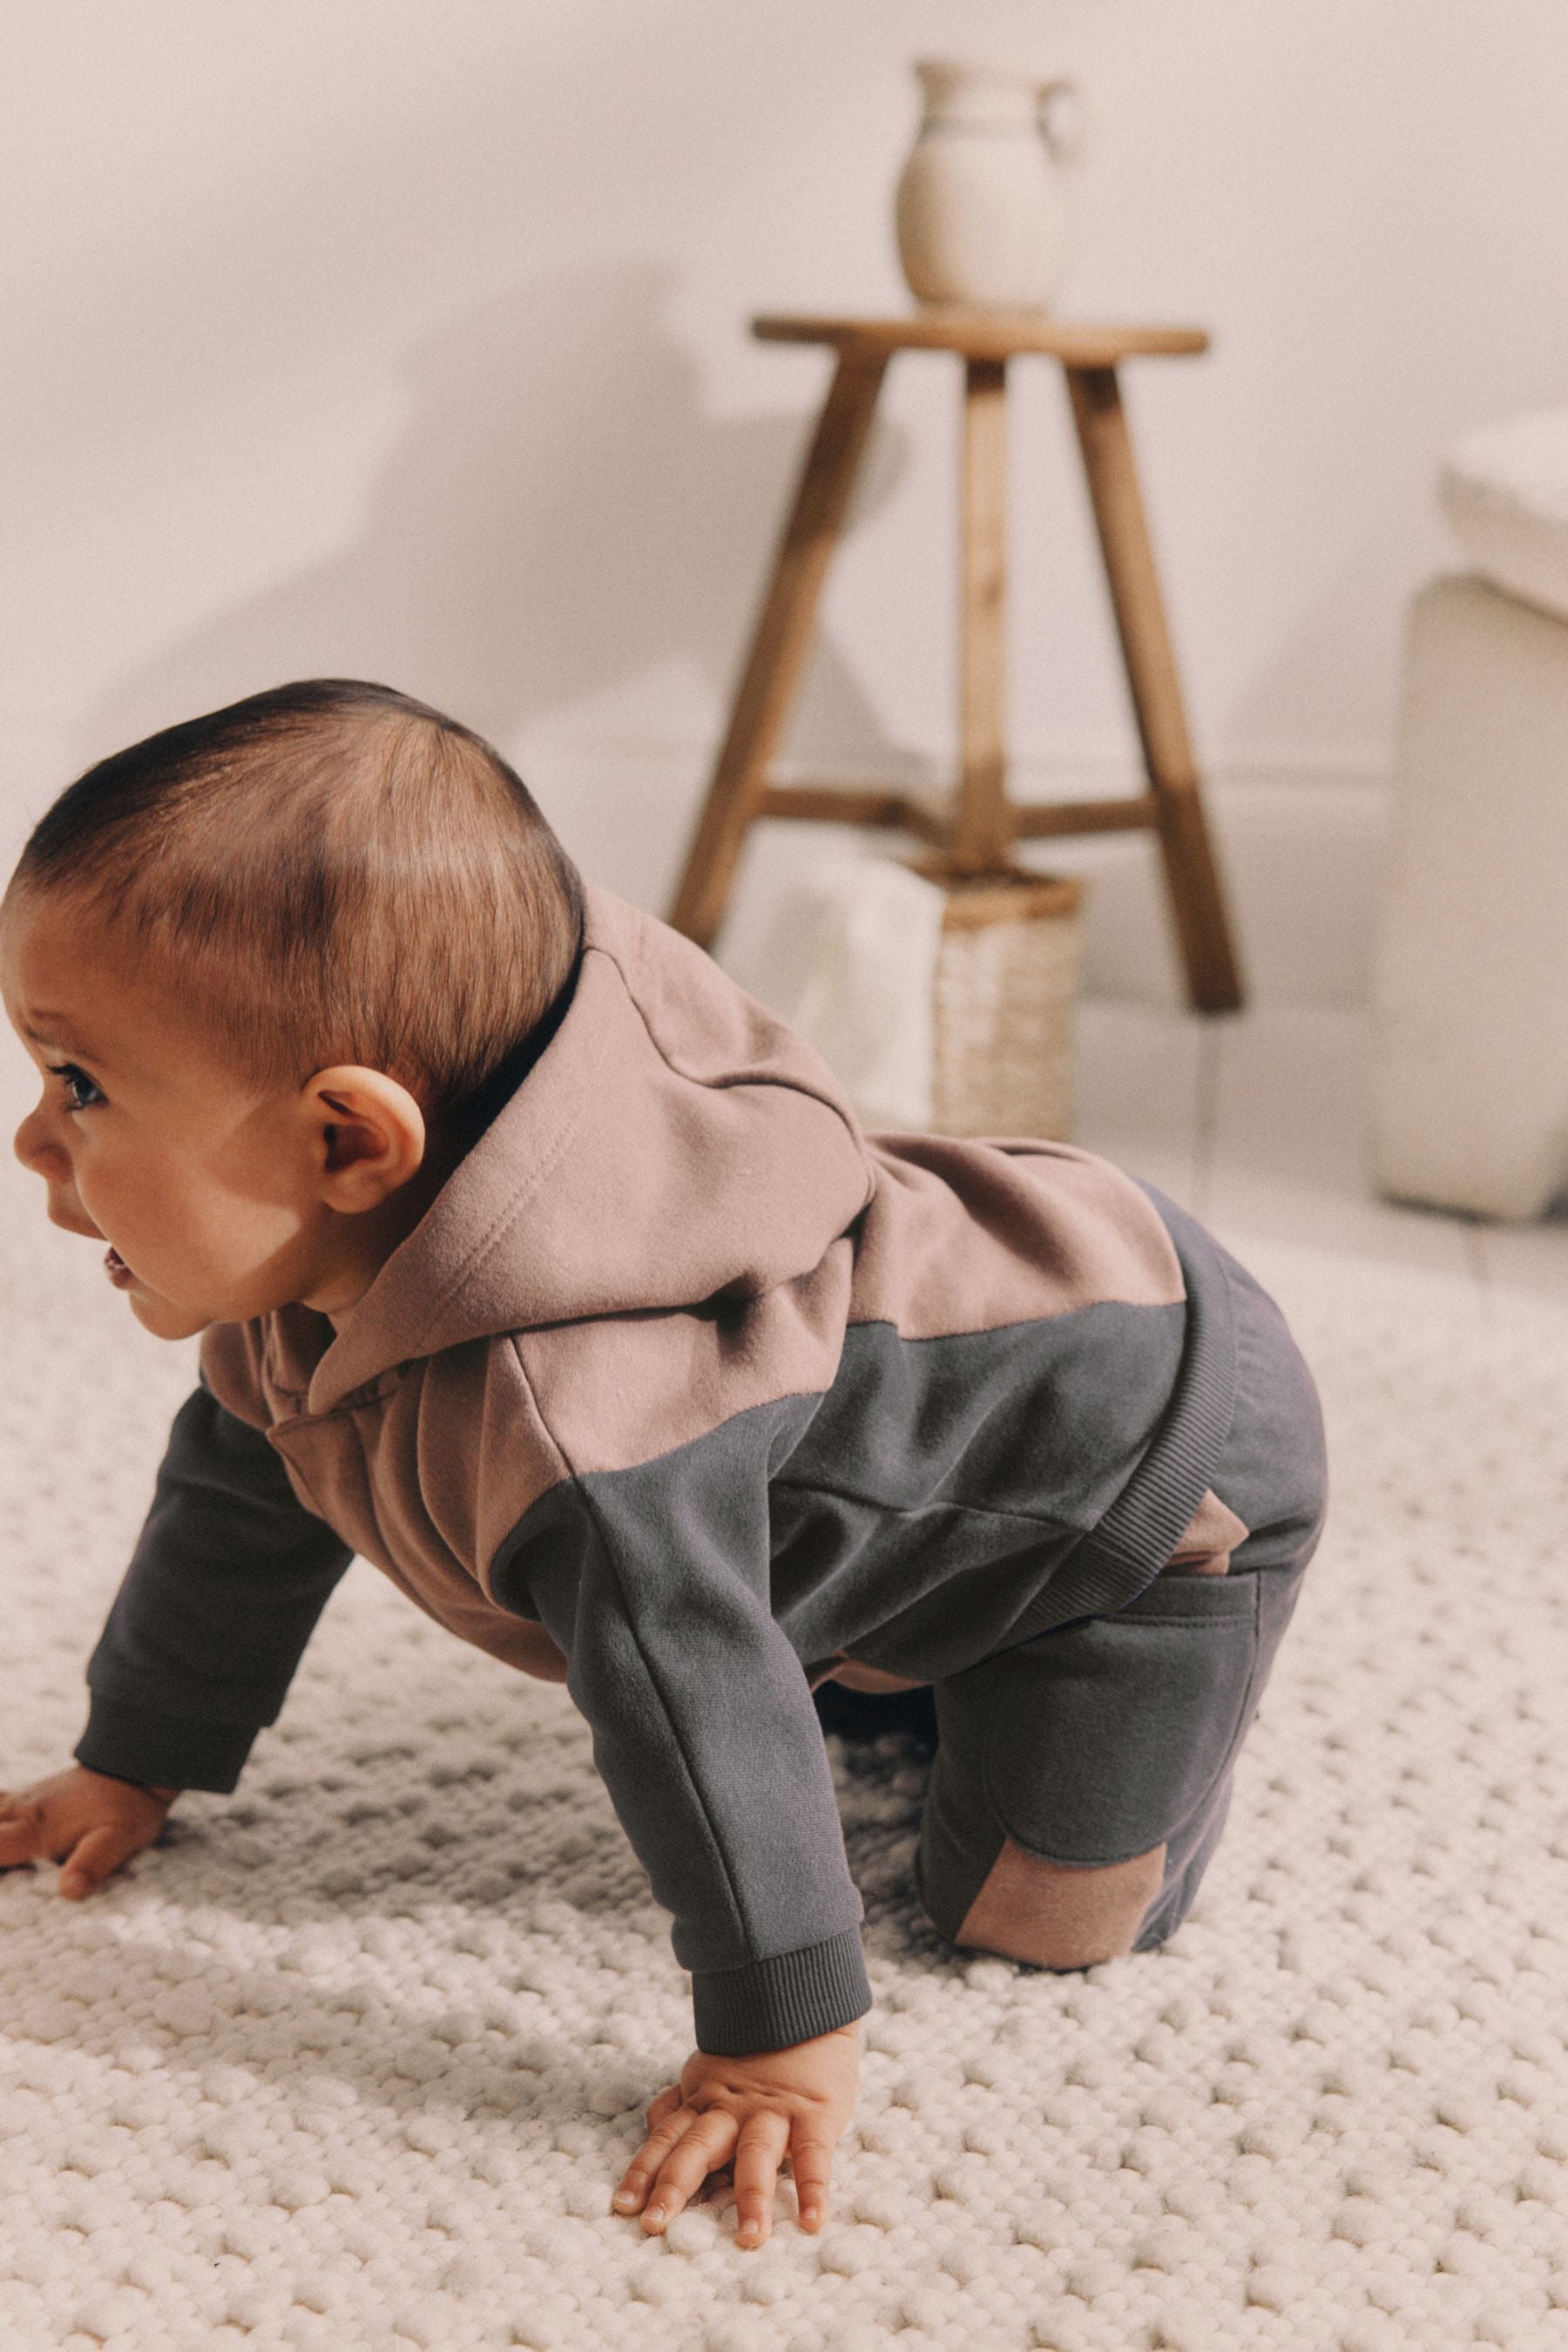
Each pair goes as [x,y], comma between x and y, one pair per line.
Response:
[267,962]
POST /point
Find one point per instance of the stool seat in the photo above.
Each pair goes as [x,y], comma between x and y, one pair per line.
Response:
[987,334]
[975,828]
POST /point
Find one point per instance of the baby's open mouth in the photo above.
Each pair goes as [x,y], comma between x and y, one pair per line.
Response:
[117,1270]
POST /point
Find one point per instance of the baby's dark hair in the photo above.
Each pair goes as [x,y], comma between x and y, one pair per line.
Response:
[330,872]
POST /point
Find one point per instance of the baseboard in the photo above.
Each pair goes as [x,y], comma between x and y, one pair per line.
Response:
[1301,848]
[1302,857]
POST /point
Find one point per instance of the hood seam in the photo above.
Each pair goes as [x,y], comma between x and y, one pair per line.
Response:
[718,1086]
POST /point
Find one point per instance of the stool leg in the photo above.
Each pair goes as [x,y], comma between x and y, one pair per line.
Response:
[983,830]
[778,646]
[1196,900]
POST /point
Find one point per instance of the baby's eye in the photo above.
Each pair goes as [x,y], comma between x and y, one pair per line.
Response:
[81,1092]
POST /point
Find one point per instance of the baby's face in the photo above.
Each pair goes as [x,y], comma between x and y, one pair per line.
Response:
[205,1187]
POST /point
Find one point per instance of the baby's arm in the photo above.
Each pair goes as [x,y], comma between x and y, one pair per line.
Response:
[222,1594]
[88,1822]
[227,1582]
[750,2114]
[654,1585]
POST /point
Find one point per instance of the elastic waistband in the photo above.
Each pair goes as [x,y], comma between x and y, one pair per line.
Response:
[1139,1531]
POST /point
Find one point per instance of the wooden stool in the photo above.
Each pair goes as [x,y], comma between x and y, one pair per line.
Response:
[974,832]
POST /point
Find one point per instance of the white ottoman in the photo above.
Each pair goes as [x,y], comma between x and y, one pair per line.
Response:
[1471,1070]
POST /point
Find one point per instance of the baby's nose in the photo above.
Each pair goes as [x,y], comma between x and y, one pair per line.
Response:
[35,1150]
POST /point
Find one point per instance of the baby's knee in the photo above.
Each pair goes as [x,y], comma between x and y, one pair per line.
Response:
[1055,1916]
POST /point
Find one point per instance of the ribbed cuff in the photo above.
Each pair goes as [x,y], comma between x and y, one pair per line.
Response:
[166,1751]
[768,2004]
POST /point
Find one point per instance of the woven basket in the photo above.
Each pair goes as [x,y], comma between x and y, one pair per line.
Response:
[1006,979]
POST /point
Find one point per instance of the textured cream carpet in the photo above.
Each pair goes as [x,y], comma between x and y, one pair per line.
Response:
[354,2058]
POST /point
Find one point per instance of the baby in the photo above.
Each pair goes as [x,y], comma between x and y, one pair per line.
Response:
[538,1265]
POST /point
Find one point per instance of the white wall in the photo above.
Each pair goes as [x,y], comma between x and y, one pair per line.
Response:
[408,340]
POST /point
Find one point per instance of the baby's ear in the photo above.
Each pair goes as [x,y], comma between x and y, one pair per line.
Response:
[368,1135]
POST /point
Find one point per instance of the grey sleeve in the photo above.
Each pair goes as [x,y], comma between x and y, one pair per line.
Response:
[224,1588]
[655,1584]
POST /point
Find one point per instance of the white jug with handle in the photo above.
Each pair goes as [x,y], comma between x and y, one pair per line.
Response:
[980,212]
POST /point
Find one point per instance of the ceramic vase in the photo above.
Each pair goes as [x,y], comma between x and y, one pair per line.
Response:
[980,210]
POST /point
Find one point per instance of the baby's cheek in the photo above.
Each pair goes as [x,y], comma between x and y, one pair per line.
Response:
[229,1245]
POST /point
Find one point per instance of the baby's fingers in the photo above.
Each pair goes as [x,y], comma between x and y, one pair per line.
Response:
[666,2119]
[663,2107]
[758,2155]
[706,2144]
[95,1857]
[21,1831]
[811,2161]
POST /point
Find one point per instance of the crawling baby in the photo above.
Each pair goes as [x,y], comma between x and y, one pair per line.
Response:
[543,1267]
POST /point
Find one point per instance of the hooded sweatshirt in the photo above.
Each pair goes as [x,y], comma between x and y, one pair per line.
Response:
[685,1391]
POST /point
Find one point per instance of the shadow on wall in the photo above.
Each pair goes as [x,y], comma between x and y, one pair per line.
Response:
[559,515]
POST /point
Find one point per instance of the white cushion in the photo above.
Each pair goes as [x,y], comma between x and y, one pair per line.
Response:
[1471,1084]
[1505,493]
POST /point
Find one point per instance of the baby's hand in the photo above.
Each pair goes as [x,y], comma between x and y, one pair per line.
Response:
[85,1820]
[750,2112]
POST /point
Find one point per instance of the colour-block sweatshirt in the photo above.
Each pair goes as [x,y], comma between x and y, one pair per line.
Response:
[683,1390]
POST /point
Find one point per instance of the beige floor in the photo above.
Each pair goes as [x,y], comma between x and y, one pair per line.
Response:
[1259,1123]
